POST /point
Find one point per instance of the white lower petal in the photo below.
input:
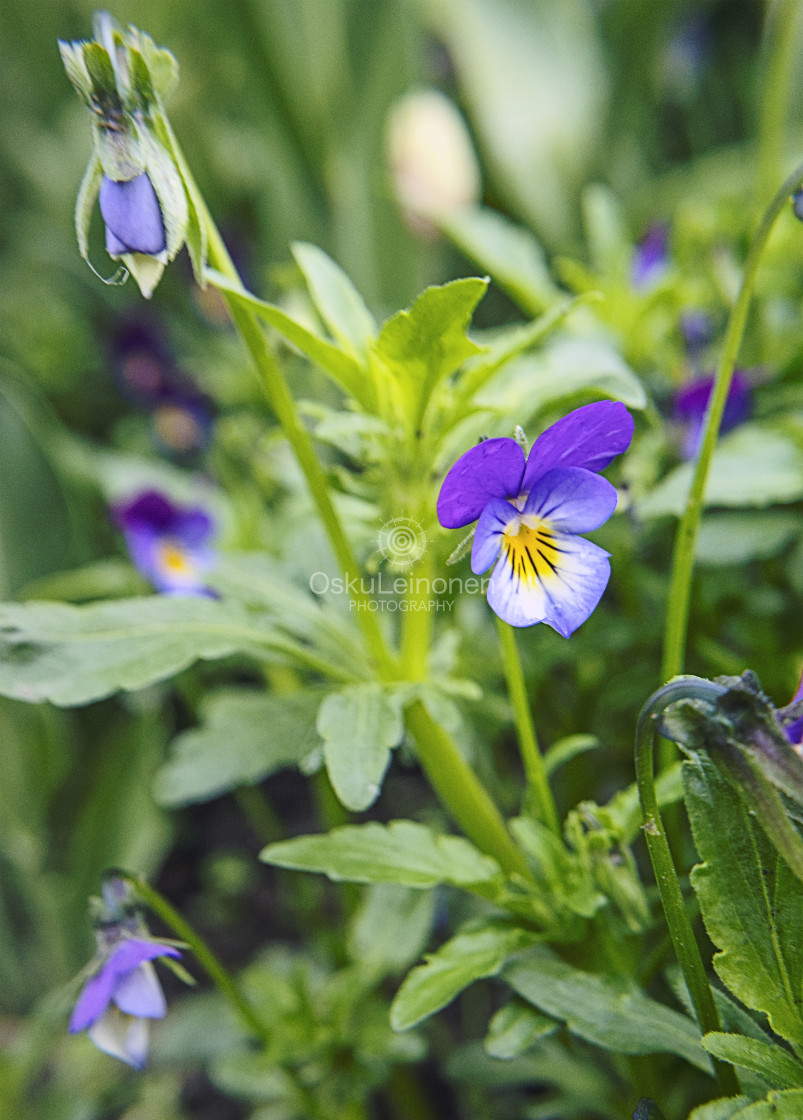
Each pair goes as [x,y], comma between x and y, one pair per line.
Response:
[121,1036]
[561,587]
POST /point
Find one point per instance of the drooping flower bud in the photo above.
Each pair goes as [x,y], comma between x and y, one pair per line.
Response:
[149,207]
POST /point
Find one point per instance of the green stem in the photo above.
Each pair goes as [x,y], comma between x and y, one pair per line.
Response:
[534,768]
[781,44]
[461,792]
[216,972]
[683,939]
[284,408]
[416,630]
[686,539]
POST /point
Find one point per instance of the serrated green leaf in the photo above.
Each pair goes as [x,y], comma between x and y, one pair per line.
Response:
[723,1109]
[471,955]
[785,1105]
[338,302]
[510,253]
[359,725]
[428,341]
[85,202]
[611,1013]
[72,655]
[755,465]
[515,1028]
[244,737]
[400,852]
[740,884]
[344,370]
[772,1062]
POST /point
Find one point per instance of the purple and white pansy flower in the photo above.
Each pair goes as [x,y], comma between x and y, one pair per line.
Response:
[124,994]
[530,510]
[169,544]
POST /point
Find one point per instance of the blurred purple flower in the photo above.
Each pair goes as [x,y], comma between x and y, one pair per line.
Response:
[133,217]
[182,422]
[531,510]
[122,995]
[794,729]
[651,257]
[697,330]
[169,544]
[691,402]
[142,362]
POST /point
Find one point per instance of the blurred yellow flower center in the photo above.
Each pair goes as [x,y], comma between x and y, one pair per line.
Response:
[173,559]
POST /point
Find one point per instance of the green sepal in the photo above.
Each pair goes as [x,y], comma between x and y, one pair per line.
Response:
[72,55]
[170,191]
[161,63]
[85,202]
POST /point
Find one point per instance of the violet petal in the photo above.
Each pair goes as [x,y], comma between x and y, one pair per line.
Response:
[492,469]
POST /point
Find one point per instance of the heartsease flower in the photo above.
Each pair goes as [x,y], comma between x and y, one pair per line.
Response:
[168,543]
[692,400]
[121,997]
[650,257]
[122,993]
[133,217]
[530,510]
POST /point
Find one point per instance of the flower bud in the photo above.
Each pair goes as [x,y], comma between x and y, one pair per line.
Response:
[148,206]
[432,161]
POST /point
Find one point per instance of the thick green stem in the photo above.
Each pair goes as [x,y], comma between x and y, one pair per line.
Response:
[686,539]
[460,791]
[537,782]
[683,939]
[284,407]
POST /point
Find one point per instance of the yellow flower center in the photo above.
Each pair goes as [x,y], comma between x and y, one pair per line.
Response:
[531,550]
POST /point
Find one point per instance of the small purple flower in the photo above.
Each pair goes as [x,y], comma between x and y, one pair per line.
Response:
[697,330]
[122,995]
[169,544]
[133,217]
[651,257]
[692,400]
[531,510]
[142,362]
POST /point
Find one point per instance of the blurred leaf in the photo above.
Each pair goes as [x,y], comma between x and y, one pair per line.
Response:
[568,748]
[784,1105]
[338,302]
[737,538]
[754,465]
[516,1027]
[401,852]
[71,655]
[105,579]
[359,725]
[245,737]
[751,903]
[510,253]
[775,1065]
[535,84]
[723,1109]
[608,1012]
[391,928]
[471,955]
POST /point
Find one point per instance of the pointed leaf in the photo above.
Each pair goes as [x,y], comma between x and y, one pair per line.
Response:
[516,1027]
[341,366]
[471,955]
[245,736]
[741,884]
[607,1012]
[85,202]
[359,726]
[771,1061]
[401,852]
[71,655]
[339,303]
